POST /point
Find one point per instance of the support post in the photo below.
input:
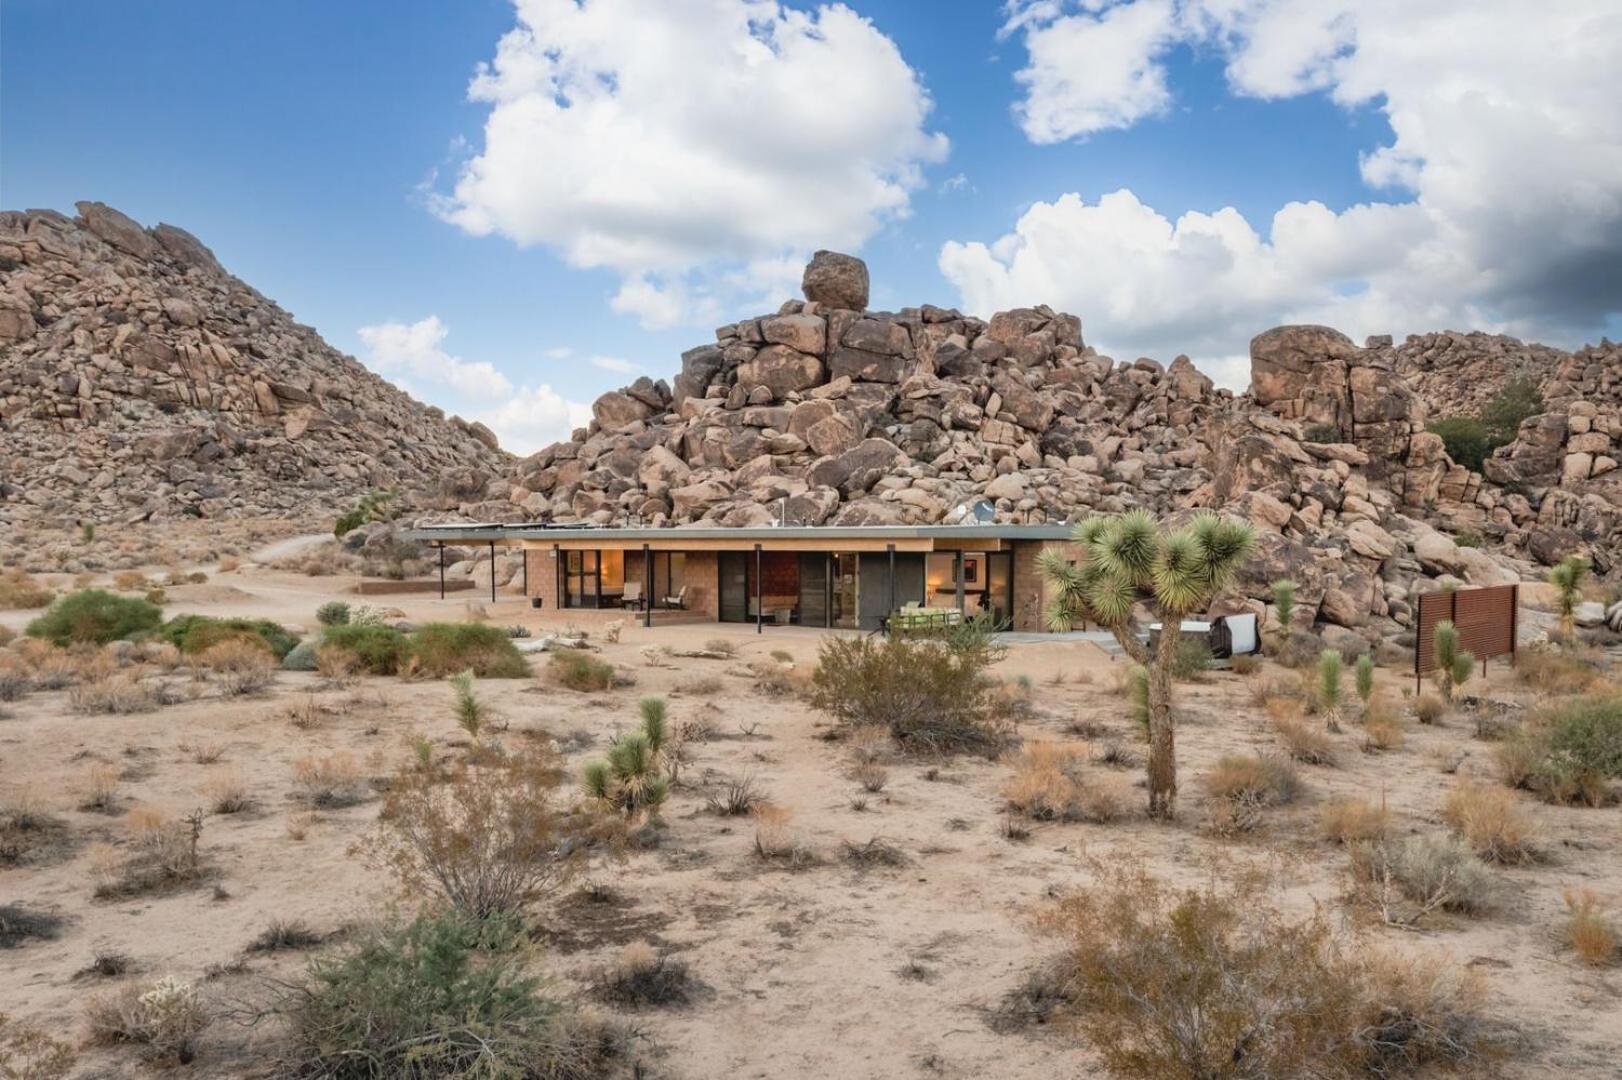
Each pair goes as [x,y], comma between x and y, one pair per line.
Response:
[647,585]
[557,577]
[524,551]
[442,570]
[760,600]
[828,591]
[492,571]
[891,549]
[957,575]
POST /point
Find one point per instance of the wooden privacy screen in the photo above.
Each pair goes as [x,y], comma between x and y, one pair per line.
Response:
[1486,619]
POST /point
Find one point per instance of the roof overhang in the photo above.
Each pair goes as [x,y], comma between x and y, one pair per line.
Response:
[977,537]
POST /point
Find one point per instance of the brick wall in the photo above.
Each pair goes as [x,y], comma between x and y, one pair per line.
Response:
[544,572]
[703,582]
[1030,591]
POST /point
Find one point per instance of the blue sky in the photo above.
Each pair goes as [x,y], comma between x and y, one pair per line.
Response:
[317,146]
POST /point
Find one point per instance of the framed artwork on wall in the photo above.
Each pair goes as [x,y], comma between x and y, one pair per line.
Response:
[971,571]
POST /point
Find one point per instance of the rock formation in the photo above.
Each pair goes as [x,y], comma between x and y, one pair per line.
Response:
[139,380]
[826,413]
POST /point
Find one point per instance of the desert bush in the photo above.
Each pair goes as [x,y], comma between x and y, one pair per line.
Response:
[724,646]
[285,935]
[376,650]
[1304,744]
[872,778]
[776,841]
[163,853]
[577,669]
[329,782]
[28,1052]
[934,695]
[1329,694]
[1491,821]
[302,657]
[1564,671]
[227,794]
[129,581]
[1429,709]
[641,976]
[438,650]
[435,999]
[472,714]
[1265,781]
[1429,872]
[373,506]
[119,694]
[196,634]
[19,924]
[100,788]
[1467,440]
[242,665]
[1590,929]
[488,837]
[1216,983]
[737,796]
[1351,820]
[164,1019]
[1192,660]
[632,780]
[1569,752]
[18,590]
[336,664]
[94,615]
[1050,783]
[332,613]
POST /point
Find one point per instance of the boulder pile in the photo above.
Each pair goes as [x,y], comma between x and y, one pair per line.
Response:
[141,381]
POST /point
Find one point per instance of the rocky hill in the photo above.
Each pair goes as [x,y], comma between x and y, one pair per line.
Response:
[825,412]
[141,381]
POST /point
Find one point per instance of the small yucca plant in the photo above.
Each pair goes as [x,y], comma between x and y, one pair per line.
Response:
[632,779]
[1284,603]
[1567,578]
[655,711]
[471,713]
[1363,674]
[1454,666]
[1330,694]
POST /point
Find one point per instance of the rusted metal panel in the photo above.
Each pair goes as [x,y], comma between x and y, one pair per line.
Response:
[1486,619]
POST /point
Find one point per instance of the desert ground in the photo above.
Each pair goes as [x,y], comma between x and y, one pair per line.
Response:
[835,969]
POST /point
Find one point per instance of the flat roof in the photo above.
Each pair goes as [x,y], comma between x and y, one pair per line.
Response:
[822,534]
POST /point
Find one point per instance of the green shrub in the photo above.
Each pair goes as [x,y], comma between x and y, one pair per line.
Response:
[436,998]
[1468,440]
[193,634]
[439,650]
[1324,433]
[378,650]
[302,656]
[933,695]
[1471,441]
[579,670]
[372,506]
[1570,751]
[94,615]
[332,613]
[1193,659]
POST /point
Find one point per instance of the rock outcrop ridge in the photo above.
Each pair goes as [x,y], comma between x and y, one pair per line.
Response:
[140,380]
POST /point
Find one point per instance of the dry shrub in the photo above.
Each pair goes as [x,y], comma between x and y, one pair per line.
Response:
[1492,822]
[129,581]
[120,694]
[1308,745]
[329,782]
[736,797]
[229,564]
[640,975]
[872,778]
[1216,983]
[1350,820]
[162,853]
[1266,780]
[227,794]
[1430,709]
[1559,671]
[1050,783]
[1408,880]
[100,788]
[724,646]
[243,665]
[1245,664]
[15,677]
[163,1019]
[28,1052]
[1590,929]
[577,669]
[1382,728]
[488,837]
[869,744]
[336,664]
[50,667]
[776,841]
[20,591]
[702,687]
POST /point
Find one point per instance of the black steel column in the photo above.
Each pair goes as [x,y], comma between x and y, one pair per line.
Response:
[557,577]
[760,601]
[828,591]
[492,571]
[891,548]
[525,552]
[647,586]
[957,574]
[442,570]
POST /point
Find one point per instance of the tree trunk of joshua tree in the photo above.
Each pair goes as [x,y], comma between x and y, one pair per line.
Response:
[1162,738]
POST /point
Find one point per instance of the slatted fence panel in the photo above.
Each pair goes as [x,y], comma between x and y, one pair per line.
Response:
[1486,619]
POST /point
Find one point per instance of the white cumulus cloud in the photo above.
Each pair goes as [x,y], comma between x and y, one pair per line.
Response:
[524,417]
[1501,182]
[679,141]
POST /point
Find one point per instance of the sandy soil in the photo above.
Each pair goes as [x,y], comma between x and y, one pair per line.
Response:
[826,972]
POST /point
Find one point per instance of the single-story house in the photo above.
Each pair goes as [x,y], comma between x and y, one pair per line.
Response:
[851,576]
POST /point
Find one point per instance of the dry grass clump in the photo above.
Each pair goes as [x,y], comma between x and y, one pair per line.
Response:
[122,693]
[164,1019]
[642,976]
[100,788]
[724,646]
[872,853]
[329,782]
[1590,929]
[1351,820]
[704,686]
[1569,752]
[577,669]
[50,667]
[242,665]
[1408,880]
[285,935]
[162,853]
[28,1052]
[20,924]
[1216,982]
[1050,783]
[227,793]
[1430,709]
[28,833]
[19,591]
[1305,744]
[1492,822]
[777,842]
[15,677]
[1559,671]
[1383,730]
[737,796]
[1262,779]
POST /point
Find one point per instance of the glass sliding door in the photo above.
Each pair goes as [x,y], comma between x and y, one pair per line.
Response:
[844,590]
[735,582]
[814,607]
[999,599]
[582,579]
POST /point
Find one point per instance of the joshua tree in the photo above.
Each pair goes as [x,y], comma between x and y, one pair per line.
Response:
[1330,694]
[1364,673]
[632,779]
[1128,557]
[1453,666]
[1567,578]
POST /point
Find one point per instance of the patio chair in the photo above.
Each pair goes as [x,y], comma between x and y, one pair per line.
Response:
[632,597]
[679,600]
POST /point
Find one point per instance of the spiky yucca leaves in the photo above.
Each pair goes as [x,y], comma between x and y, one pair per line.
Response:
[1363,674]
[1567,578]
[654,711]
[1329,688]
[1284,602]
[1453,665]
[1126,558]
[471,713]
[632,780]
